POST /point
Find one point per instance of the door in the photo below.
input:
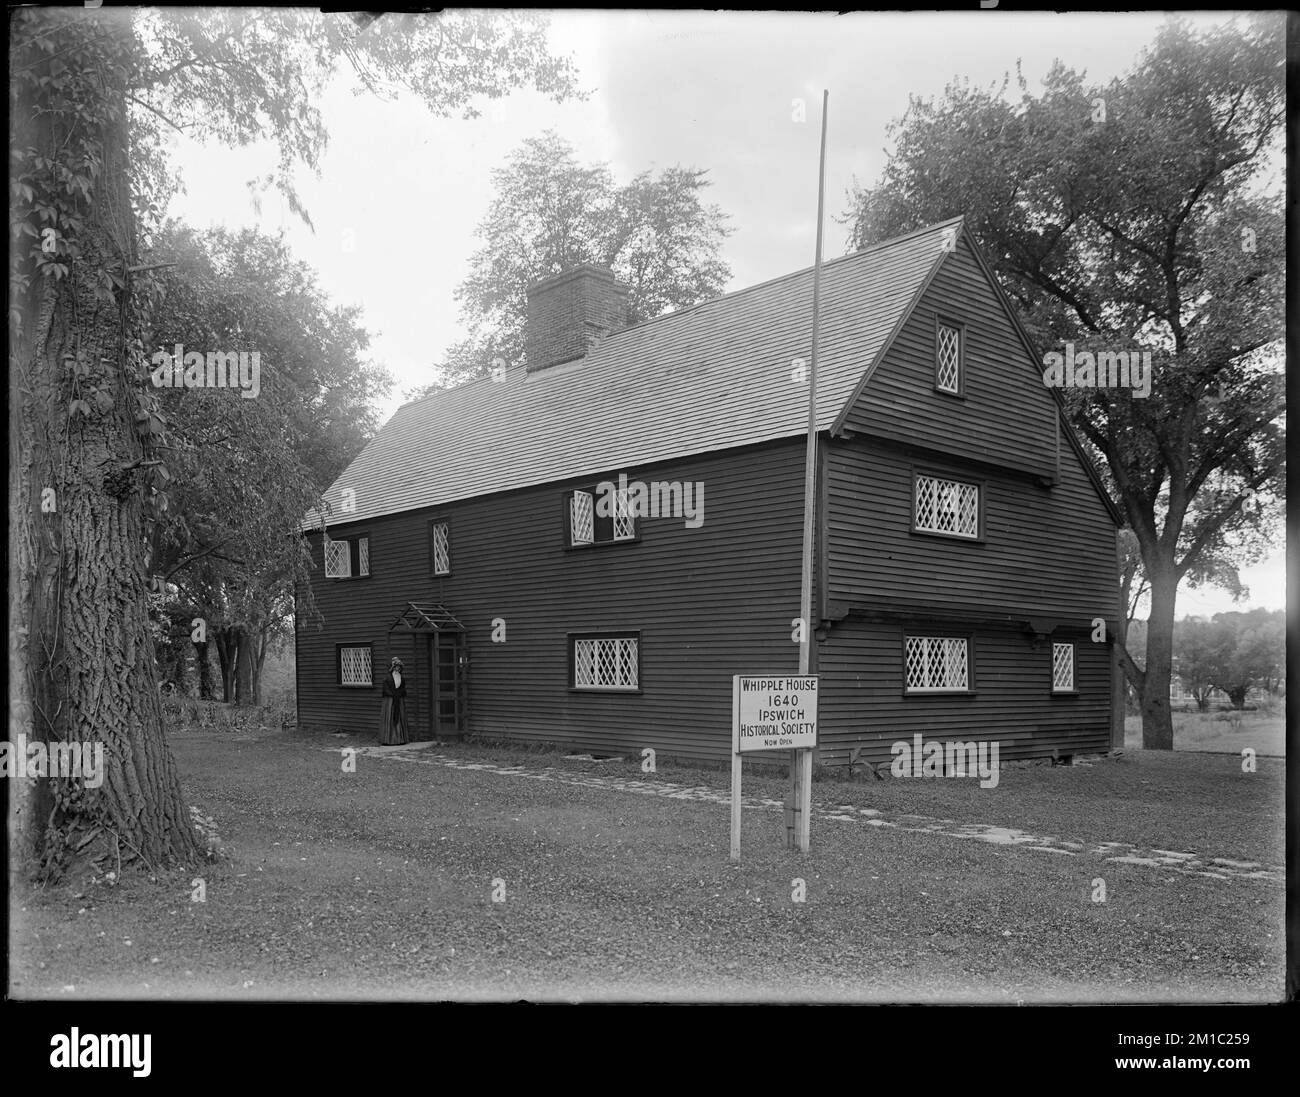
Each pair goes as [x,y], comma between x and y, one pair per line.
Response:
[447,677]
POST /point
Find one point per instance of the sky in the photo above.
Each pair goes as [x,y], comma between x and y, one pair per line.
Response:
[738,94]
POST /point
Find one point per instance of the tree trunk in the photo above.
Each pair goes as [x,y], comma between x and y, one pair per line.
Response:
[172,668]
[263,643]
[1157,719]
[205,670]
[84,668]
[177,676]
[245,691]
[227,645]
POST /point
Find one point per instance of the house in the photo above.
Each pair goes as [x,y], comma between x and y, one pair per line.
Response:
[584,549]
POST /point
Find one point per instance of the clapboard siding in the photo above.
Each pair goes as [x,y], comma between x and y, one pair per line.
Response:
[1006,416]
[716,601]
[863,704]
[708,603]
[1046,551]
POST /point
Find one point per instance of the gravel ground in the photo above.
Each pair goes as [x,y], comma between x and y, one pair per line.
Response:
[380,884]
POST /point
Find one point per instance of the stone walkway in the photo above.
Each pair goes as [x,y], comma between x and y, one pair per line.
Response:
[1191,864]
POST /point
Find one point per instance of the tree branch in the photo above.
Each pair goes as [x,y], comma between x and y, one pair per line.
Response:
[155,110]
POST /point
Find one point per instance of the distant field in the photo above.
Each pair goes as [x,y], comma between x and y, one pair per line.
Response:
[1228,732]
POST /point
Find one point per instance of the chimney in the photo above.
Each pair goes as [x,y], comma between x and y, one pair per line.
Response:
[569,311]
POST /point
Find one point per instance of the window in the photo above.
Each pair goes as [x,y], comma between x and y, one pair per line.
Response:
[947,506]
[354,665]
[605,662]
[947,358]
[936,664]
[440,548]
[582,525]
[599,517]
[347,557]
[624,524]
[1062,668]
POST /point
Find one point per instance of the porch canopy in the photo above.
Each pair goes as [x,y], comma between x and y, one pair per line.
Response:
[417,618]
[424,617]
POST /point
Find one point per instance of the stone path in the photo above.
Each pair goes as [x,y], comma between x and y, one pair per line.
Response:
[1187,863]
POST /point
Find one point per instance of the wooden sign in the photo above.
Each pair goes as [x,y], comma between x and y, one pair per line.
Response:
[773,713]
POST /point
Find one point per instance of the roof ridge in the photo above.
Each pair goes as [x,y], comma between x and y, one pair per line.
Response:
[880,245]
[479,440]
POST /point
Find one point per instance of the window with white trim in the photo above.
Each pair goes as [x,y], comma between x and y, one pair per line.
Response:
[947,358]
[347,557]
[582,524]
[1062,668]
[355,665]
[624,525]
[440,548]
[599,516]
[605,662]
[947,506]
[936,664]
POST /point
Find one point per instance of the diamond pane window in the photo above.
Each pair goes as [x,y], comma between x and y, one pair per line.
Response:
[338,559]
[947,506]
[441,547]
[605,662]
[936,663]
[624,526]
[347,558]
[582,522]
[627,663]
[602,515]
[947,366]
[1063,667]
[354,666]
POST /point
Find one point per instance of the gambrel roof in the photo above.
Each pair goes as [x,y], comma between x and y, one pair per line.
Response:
[710,377]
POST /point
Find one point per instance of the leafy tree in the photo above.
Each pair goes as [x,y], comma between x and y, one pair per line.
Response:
[228,548]
[91,94]
[1136,214]
[551,212]
[1254,654]
[1201,646]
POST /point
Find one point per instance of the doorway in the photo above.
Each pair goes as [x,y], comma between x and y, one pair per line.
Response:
[448,666]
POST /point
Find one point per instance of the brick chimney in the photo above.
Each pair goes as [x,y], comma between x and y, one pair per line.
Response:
[569,311]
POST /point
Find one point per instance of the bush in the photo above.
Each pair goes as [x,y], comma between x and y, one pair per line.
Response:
[185,713]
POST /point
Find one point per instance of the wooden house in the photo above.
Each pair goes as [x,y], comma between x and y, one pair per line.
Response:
[965,564]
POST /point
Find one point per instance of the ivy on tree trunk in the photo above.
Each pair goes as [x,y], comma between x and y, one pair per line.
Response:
[81,655]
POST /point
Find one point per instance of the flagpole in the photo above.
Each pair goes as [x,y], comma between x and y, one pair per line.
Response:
[801,760]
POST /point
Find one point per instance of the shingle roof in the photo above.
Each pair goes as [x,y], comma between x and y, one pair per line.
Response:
[706,378]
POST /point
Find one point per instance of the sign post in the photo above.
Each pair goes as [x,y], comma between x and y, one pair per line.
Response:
[799,798]
[770,713]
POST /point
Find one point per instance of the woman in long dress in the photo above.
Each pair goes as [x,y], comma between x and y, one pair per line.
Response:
[392,711]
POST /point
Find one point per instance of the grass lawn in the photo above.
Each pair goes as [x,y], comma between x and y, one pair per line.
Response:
[379,884]
[1220,732]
